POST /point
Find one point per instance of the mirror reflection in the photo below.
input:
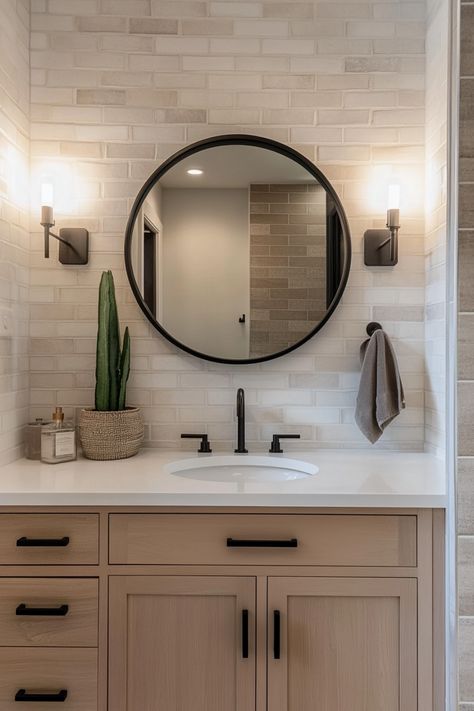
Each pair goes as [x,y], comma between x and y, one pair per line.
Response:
[238,252]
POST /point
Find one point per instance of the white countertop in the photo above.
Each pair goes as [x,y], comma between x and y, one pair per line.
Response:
[348,478]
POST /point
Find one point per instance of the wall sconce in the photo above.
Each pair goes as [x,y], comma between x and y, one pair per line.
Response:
[381,246]
[73,241]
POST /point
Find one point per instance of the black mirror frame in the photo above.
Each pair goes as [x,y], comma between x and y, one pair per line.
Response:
[242,140]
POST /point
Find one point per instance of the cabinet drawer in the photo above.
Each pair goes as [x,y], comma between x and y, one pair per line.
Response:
[273,539]
[48,612]
[49,539]
[49,671]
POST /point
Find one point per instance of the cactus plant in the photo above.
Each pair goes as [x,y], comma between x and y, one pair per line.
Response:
[112,363]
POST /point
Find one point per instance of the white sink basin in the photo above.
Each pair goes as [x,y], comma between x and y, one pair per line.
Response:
[242,467]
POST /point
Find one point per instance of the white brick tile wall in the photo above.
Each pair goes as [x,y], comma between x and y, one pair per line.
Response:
[14,239]
[118,85]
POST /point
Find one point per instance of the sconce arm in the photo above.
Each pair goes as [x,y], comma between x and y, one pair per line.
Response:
[48,234]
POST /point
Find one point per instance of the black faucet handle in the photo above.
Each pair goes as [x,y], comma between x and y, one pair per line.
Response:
[205,447]
[275,445]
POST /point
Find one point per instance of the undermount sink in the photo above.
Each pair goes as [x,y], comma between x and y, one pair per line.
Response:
[242,467]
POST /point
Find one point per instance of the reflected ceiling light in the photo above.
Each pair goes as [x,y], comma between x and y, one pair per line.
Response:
[194,171]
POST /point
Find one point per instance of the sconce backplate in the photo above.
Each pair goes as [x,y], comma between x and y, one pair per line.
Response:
[377,248]
[77,249]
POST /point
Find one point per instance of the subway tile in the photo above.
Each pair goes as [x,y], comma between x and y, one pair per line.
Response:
[153,98]
[399,46]
[207,27]
[204,64]
[465,562]
[73,7]
[125,7]
[465,266]
[126,43]
[467,40]
[321,29]
[466,658]
[178,8]
[261,28]
[100,96]
[101,23]
[370,29]
[234,46]
[292,47]
[288,9]
[348,10]
[153,26]
[465,418]
[373,64]
[234,116]
[236,9]
[466,346]
[288,81]
[288,116]
[465,496]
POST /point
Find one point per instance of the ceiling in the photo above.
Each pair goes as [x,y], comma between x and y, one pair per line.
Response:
[235,167]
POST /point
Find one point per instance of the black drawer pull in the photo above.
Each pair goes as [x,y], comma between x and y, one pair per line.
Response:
[245,634]
[25,542]
[23,611]
[249,543]
[22,695]
[276,634]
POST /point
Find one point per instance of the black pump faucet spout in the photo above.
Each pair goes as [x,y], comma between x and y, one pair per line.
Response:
[241,422]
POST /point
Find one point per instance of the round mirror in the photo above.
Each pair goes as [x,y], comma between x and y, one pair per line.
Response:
[237,249]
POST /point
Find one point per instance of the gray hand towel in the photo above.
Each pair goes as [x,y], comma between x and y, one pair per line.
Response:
[381,397]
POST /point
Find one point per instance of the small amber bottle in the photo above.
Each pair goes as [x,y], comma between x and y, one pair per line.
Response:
[58,440]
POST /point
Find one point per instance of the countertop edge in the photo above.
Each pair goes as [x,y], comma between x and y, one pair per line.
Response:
[110,500]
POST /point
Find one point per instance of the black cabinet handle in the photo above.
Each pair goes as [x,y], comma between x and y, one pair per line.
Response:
[245,634]
[276,634]
[22,695]
[23,610]
[252,543]
[25,542]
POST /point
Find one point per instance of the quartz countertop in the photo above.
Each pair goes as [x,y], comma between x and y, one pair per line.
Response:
[346,478]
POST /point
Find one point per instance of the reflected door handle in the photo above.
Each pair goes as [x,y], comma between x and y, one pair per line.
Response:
[242,318]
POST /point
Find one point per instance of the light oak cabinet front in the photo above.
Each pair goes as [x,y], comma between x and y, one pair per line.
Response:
[342,644]
[149,609]
[188,643]
[182,643]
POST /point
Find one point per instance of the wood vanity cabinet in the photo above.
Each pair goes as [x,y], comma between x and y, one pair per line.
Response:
[223,610]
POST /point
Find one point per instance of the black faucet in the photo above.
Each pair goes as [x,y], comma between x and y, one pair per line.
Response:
[241,422]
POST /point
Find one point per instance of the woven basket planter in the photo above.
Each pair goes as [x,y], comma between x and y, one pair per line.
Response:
[111,435]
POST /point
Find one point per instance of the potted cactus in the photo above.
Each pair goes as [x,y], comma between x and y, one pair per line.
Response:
[110,430]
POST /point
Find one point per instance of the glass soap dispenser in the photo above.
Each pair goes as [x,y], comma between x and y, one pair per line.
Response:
[58,440]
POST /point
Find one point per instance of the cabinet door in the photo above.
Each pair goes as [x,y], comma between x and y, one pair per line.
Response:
[345,644]
[179,643]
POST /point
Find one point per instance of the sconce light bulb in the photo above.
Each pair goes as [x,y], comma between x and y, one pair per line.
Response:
[47,194]
[393,202]
[194,171]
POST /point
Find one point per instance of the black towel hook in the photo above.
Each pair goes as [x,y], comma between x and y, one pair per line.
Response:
[372,327]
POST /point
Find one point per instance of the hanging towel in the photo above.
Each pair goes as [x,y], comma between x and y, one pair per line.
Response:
[381,397]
